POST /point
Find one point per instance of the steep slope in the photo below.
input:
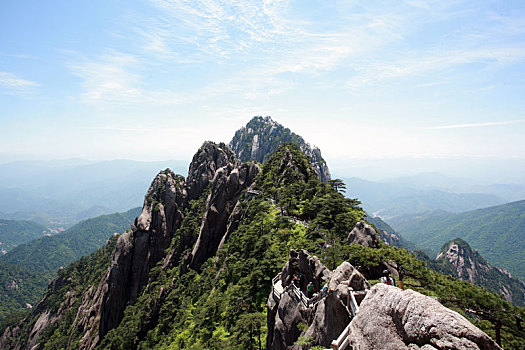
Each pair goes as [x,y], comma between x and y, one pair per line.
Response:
[26,270]
[262,136]
[498,233]
[13,233]
[470,266]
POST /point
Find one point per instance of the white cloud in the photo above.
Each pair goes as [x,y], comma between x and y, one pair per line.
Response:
[476,125]
[110,80]
[16,85]
[418,63]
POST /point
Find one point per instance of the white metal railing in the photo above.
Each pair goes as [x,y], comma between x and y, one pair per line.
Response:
[275,292]
[300,295]
[343,340]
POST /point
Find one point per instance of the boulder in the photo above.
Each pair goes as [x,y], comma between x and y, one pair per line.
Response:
[363,234]
[390,318]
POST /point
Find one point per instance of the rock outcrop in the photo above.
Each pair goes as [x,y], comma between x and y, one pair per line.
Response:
[205,163]
[363,234]
[387,234]
[138,251]
[467,264]
[226,188]
[262,136]
[390,318]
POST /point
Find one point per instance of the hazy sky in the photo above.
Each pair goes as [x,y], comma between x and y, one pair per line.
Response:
[360,79]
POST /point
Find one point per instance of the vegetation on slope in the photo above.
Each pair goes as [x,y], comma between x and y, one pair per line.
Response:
[498,233]
[71,282]
[224,304]
[487,310]
[32,265]
[19,286]
[472,267]
[13,233]
[50,253]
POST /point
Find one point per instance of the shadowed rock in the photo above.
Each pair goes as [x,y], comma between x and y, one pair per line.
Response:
[324,319]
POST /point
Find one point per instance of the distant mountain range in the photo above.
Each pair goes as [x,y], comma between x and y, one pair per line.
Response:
[400,197]
[498,233]
[61,193]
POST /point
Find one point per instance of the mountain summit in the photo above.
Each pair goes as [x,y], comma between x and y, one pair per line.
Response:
[262,136]
[468,265]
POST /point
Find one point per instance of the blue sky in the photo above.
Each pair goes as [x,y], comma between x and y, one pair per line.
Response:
[360,79]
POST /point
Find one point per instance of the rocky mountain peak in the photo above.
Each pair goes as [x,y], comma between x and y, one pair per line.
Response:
[467,264]
[262,136]
[208,159]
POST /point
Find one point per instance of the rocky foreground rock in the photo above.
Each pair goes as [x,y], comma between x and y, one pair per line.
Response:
[388,317]
[391,318]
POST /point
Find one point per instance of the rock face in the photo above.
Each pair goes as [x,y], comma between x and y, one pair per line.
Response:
[363,234]
[226,188]
[138,251]
[323,320]
[390,318]
[215,169]
[262,136]
[467,264]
